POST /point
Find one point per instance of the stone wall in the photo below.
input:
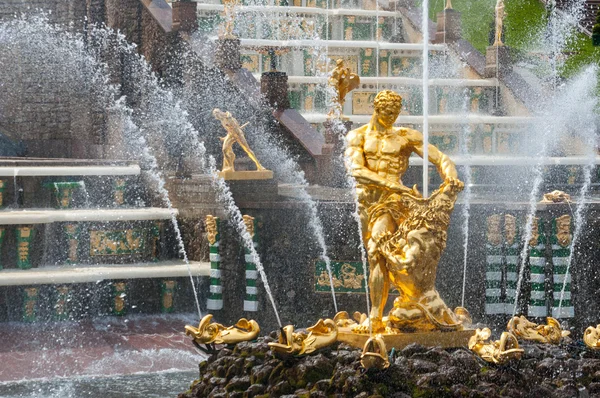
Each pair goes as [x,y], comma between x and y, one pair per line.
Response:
[52,116]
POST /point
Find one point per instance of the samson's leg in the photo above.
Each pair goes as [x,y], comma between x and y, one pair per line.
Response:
[379,279]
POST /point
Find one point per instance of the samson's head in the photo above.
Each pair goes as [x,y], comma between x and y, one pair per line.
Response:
[387,107]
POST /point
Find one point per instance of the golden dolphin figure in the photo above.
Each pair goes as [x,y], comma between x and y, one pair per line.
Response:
[215,333]
[499,351]
[551,333]
[321,335]
[591,337]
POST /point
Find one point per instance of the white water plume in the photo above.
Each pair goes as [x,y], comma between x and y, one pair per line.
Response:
[562,115]
[235,216]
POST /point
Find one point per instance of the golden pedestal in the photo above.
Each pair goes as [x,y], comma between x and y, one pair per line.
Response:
[247,175]
[450,339]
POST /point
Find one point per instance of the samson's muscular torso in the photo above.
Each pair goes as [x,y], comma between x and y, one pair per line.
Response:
[379,159]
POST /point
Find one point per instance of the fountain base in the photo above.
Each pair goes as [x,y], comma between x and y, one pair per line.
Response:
[247,175]
[450,339]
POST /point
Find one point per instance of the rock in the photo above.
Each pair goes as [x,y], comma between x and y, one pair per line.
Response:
[353,386]
[322,385]
[435,355]
[532,351]
[318,394]
[419,366]
[302,393]
[548,367]
[594,389]
[411,349]
[218,393]
[465,360]
[317,367]
[254,390]
[281,388]
[238,384]
[567,392]
[260,374]
[217,381]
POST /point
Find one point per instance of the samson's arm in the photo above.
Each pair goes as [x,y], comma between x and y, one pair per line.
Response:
[442,162]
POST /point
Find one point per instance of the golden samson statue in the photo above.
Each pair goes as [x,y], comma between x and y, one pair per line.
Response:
[403,232]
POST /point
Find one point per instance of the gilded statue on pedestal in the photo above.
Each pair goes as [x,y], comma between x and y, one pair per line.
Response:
[235,134]
[403,232]
[500,15]
[342,81]
[229,11]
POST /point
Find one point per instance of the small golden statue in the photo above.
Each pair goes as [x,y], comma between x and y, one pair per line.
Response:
[374,354]
[321,335]
[556,197]
[551,333]
[500,15]
[591,337]
[403,232]
[342,81]
[499,351]
[210,223]
[209,333]
[229,13]
[235,134]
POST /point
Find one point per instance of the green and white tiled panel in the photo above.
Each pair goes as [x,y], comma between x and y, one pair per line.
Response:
[537,300]
[512,275]
[493,280]
[251,299]
[561,251]
[215,298]
[560,261]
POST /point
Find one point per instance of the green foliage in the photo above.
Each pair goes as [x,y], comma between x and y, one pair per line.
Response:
[524,21]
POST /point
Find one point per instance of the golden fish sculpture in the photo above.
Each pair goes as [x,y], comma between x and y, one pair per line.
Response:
[551,333]
[215,333]
[591,337]
[321,335]
[499,351]
[374,354]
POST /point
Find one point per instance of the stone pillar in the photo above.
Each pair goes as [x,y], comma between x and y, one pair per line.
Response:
[537,268]
[215,299]
[274,86]
[251,299]
[511,251]
[493,267]
[227,54]
[497,61]
[185,18]
[449,26]
[561,251]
